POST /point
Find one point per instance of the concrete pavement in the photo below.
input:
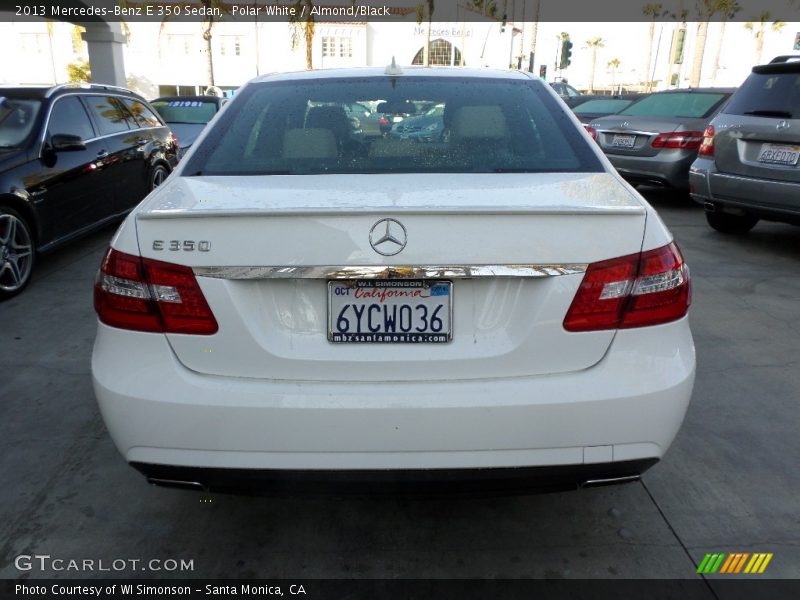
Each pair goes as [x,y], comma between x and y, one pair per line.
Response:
[729,483]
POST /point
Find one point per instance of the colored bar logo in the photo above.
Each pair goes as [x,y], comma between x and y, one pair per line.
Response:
[734,563]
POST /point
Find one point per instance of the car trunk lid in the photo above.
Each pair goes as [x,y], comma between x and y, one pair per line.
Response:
[264,248]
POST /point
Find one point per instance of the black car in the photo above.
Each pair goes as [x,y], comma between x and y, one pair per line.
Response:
[187,116]
[72,158]
[569,94]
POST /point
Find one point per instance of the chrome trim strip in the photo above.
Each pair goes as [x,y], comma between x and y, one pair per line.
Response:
[85,86]
[628,131]
[610,481]
[391,272]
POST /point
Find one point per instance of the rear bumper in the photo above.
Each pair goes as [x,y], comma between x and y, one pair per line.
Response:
[770,199]
[499,480]
[669,168]
[628,407]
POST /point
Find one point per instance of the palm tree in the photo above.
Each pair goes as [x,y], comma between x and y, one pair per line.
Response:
[613,66]
[303,23]
[727,9]
[706,10]
[594,44]
[426,51]
[653,11]
[208,22]
[535,30]
[758,27]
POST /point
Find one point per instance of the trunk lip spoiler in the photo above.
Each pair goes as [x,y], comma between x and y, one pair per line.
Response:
[318,211]
[391,271]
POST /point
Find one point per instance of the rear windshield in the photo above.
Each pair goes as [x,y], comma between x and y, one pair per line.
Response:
[426,125]
[689,105]
[185,111]
[17,118]
[601,106]
[774,94]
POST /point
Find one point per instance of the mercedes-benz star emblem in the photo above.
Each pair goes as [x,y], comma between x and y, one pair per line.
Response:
[388,237]
[782,125]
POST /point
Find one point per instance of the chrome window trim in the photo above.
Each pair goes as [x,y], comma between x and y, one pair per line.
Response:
[85,86]
[391,272]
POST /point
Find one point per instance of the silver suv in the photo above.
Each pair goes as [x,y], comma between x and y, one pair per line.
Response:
[748,166]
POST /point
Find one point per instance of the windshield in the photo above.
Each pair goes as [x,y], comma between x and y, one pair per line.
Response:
[689,105]
[185,111]
[17,118]
[481,125]
[601,106]
[774,94]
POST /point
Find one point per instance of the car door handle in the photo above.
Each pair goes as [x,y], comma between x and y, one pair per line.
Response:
[141,141]
[102,154]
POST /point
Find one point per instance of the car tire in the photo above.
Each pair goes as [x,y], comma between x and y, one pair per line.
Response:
[17,253]
[728,223]
[157,176]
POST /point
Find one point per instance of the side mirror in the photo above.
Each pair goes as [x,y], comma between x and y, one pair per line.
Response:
[65,142]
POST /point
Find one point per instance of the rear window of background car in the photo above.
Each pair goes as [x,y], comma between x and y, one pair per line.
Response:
[690,105]
[301,127]
[600,106]
[195,112]
[774,92]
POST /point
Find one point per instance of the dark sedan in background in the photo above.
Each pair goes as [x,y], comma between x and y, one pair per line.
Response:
[655,140]
[187,116]
[72,158]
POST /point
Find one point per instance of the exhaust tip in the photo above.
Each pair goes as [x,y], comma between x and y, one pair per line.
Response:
[174,483]
[590,483]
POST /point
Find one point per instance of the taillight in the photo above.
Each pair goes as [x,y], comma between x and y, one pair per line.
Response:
[637,290]
[591,131]
[138,293]
[707,146]
[687,140]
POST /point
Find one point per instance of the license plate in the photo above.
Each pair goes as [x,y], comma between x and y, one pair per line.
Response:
[779,154]
[623,141]
[384,311]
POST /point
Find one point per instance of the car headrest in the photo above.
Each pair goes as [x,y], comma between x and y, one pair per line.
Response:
[328,117]
[479,122]
[309,143]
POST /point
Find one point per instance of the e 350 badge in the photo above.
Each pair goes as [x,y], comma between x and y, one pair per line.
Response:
[182,245]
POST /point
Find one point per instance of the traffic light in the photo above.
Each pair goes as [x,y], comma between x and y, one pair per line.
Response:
[566,54]
[543,71]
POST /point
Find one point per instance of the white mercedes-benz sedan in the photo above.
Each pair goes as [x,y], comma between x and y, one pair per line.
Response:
[476,298]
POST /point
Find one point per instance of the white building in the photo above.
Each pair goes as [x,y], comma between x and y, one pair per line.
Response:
[171,57]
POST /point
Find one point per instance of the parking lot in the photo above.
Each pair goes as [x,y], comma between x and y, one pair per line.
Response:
[730,482]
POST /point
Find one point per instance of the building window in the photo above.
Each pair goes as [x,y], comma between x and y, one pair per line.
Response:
[230,45]
[337,47]
[346,47]
[441,53]
[180,43]
[33,43]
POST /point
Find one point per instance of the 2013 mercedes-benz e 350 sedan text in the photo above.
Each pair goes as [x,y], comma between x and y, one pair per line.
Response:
[301,302]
